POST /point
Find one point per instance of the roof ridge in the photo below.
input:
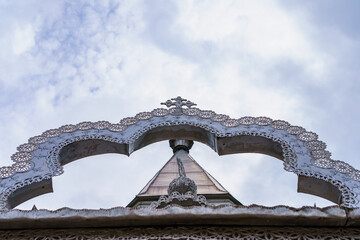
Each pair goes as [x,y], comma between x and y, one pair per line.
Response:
[212,179]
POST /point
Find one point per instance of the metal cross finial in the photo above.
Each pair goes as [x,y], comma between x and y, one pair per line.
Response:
[178,102]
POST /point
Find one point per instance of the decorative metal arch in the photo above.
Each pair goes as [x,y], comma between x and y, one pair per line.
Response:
[43,157]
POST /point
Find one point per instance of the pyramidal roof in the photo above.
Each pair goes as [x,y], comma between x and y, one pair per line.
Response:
[159,184]
[206,184]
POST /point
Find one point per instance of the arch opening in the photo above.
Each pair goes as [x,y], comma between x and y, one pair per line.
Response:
[221,145]
[165,151]
[109,180]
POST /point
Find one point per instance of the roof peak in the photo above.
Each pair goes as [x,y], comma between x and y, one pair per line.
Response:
[205,183]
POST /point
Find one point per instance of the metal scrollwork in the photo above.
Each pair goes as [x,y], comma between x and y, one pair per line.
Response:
[303,153]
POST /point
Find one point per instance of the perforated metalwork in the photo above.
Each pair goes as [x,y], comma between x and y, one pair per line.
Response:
[303,153]
[189,232]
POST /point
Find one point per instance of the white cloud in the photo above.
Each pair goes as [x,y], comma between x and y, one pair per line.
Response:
[23,39]
[257,28]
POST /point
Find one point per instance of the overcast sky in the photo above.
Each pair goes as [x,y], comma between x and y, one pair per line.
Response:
[64,62]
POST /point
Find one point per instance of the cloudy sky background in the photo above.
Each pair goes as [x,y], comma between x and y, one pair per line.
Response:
[64,62]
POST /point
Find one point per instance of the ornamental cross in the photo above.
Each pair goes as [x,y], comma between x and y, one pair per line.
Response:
[178,102]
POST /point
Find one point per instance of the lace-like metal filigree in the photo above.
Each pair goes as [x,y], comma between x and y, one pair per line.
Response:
[303,153]
[186,232]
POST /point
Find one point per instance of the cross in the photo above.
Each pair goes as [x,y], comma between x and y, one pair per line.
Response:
[178,102]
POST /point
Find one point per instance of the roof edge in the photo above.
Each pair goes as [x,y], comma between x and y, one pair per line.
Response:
[253,215]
